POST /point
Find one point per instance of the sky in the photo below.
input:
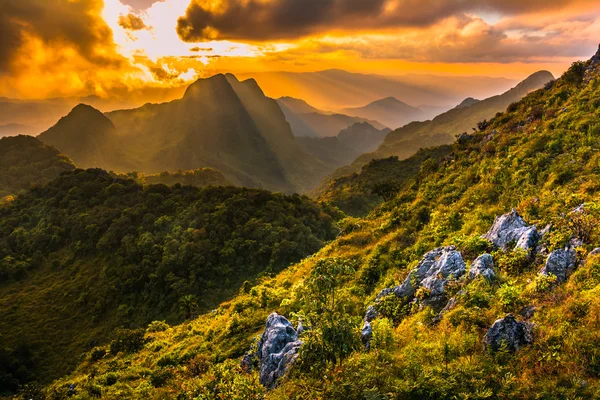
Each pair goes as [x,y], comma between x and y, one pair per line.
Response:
[57,48]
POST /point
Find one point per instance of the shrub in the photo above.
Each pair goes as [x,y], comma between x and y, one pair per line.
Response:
[157,326]
[159,377]
[128,341]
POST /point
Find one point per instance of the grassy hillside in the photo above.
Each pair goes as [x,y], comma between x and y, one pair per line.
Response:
[540,156]
[89,252]
[27,162]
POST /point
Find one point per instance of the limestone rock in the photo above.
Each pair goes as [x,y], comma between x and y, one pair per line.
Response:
[277,349]
[510,228]
[559,263]
[483,266]
[510,332]
[432,273]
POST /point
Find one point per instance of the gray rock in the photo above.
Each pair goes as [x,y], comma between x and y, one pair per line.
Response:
[483,266]
[277,349]
[510,228]
[580,209]
[371,314]
[366,335]
[559,263]
[432,273]
[300,328]
[509,332]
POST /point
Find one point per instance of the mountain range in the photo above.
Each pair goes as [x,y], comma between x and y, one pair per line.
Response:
[220,122]
[337,89]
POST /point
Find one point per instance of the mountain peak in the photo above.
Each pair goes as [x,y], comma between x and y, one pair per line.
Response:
[596,57]
[468,102]
[215,81]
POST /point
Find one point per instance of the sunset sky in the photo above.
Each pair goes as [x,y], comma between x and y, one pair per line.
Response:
[51,48]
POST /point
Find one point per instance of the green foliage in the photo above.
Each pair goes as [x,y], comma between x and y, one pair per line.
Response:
[513,261]
[509,297]
[333,333]
[127,340]
[157,326]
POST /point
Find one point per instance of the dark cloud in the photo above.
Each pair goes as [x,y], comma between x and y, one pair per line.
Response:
[258,20]
[132,22]
[61,23]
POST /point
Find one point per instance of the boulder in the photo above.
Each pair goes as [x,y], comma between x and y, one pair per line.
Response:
[483,266]
[560,263]
[509,228]
[432,273]
[366,334]
[277,349]
[595,252]
[508,332]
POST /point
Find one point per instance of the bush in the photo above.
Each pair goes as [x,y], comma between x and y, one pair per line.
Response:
[157,326]
[128,341]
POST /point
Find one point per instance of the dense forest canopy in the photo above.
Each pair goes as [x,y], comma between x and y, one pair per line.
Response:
[89,252]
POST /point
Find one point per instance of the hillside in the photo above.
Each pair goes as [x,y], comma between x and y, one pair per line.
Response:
[336,89]
[307,121]
[458,312]
[88,253]
[443,129]
[389,111]
[219,123]
[27,162]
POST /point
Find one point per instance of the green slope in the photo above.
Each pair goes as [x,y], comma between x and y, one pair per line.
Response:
[540,156]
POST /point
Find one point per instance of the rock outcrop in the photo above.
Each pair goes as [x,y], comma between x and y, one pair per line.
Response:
[432,273]
[511,228]
[277,349]
[483,266]
[508,332]
[560,263]
[366,334]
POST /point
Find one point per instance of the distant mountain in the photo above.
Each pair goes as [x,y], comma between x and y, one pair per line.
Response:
[27,162]
[468,102]
[298,106]
[308,121]
[338,89]
[89,138]
[203,177]
[220,123]
[363,136]
[389,111]
[406,141]
[340,150]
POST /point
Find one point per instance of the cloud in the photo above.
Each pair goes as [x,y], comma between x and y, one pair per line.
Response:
[56,47]
[140,5]
[264,20]
[132,22]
